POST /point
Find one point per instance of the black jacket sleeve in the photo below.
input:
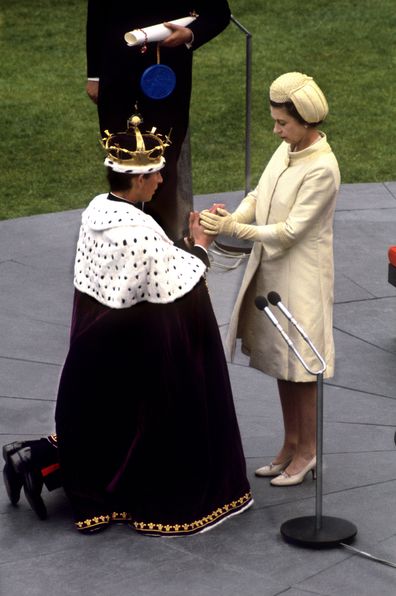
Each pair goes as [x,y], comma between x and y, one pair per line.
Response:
[94,37]
[213,18]
[103,16]
[198,251]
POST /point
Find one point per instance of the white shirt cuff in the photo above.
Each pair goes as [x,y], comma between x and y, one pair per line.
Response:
[200,246]
[189,44]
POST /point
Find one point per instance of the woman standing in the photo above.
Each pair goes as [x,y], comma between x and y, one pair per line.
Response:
[293,206]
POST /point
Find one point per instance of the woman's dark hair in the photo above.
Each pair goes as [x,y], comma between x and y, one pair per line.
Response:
[292,111]
[120,181]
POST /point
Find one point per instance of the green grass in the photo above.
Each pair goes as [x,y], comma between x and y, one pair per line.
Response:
[51,159]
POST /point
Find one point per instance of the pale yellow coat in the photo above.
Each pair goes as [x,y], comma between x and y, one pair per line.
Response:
[294,204]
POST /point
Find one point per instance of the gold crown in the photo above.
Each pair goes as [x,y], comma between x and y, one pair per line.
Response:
[133,152]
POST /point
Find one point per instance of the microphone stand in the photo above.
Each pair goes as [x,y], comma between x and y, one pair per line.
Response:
[316,531]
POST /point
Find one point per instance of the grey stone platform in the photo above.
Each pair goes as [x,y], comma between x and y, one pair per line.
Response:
[246,556]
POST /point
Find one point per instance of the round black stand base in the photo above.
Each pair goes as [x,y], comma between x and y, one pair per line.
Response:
[302,531]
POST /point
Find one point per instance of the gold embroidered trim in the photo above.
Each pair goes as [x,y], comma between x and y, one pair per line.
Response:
[99,520]
[120,516]
[93,522]
[167,529]
[188,528]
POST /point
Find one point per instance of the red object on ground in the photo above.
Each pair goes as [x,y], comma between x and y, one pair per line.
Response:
[392,255]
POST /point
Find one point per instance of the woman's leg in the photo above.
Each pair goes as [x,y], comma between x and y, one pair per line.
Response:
[298,402]
[290,423]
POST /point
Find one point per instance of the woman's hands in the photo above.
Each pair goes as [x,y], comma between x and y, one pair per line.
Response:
[217,221]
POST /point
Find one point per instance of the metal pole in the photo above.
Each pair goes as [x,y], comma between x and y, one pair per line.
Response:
[248,101]
[319,451]
[315,531]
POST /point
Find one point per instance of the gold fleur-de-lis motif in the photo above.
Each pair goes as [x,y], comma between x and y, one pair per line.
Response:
[197,524]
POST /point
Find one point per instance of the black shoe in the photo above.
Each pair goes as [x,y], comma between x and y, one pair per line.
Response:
[32,481]
[12,480]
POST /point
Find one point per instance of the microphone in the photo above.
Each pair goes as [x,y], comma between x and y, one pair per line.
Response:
[275,299]
[262,304]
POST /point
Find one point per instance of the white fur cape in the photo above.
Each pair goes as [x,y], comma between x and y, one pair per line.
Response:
[124,257]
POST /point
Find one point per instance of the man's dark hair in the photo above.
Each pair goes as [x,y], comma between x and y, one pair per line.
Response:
[121,181]
[118,181]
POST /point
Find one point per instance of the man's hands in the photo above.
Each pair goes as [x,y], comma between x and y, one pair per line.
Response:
[179,36]
[197,232]
[92,89]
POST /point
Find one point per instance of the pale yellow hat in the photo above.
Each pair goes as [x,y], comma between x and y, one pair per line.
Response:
[303,92]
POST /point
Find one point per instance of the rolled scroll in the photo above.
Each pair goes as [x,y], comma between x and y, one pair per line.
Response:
[154,33]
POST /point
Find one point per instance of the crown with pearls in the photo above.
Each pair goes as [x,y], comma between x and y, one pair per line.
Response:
[133,152]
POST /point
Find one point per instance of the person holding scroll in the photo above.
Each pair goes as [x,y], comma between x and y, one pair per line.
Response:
[115,71]
[293,207]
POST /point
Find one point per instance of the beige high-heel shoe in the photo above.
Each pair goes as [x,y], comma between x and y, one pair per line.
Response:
[272,469]
[285,479]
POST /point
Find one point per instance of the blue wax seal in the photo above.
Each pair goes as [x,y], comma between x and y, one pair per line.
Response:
[158,81]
